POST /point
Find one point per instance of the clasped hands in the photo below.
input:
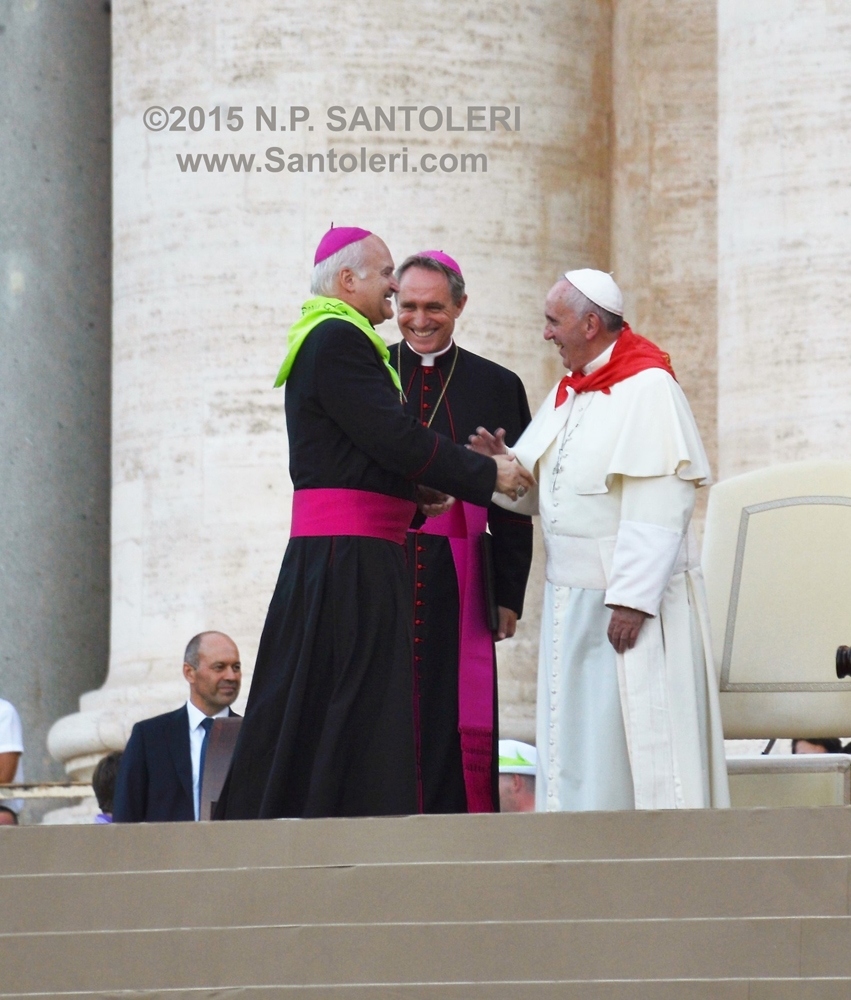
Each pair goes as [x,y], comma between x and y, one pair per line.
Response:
[625,623]
[511,478]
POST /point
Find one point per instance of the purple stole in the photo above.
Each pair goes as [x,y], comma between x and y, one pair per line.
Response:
[463,525]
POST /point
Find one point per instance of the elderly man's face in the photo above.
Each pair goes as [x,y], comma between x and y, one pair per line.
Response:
[427,313]
[214,683]
[371,294]
[569,332]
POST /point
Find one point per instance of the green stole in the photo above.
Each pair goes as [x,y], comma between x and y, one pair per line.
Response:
[316,311]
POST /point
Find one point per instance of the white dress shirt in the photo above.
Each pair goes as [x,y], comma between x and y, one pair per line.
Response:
[11,741]
[196,741]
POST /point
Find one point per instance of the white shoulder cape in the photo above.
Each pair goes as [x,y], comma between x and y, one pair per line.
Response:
[643,427]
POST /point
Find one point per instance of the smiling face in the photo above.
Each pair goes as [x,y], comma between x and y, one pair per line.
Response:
[427,312]
[579,339]
[214,683]
[371,294]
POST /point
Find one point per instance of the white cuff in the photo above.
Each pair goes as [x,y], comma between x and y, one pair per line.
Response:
[642,565]
[527,504]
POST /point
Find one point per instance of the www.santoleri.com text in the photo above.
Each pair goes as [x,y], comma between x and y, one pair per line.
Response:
[276,161]
[398,118]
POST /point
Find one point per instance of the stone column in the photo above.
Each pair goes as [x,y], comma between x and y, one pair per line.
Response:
[664,172]
[784,241]
[54,360]
[211,268]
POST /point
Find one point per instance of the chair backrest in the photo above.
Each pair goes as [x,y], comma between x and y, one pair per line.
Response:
[777,562]
[223,735]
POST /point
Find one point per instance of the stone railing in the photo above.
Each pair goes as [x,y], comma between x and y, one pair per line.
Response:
[48,790]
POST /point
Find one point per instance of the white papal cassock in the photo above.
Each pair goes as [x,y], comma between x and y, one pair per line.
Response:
[617,475]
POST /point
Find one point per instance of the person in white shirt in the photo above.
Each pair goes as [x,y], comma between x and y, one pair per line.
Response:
[628,712]
[11,768]
[160,773]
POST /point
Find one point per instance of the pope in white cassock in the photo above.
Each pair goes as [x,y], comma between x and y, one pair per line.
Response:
[628,711]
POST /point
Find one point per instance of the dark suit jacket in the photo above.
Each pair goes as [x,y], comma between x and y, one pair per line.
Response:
[154,782]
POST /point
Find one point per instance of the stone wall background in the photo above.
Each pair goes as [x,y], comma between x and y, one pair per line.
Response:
[664,189]
[784,203]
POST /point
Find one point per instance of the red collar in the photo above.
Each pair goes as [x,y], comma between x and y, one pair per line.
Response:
[631,354]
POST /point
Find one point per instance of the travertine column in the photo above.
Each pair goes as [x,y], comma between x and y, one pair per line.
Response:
[664,163]
[784,238]
[54,361]
[210,269]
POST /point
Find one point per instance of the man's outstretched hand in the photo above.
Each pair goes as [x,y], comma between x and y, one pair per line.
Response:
[489,444]
[624,627]
[511,478]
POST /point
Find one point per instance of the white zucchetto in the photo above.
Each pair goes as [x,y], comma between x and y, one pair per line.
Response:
[599,287]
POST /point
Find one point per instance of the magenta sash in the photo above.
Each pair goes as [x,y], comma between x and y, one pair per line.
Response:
[351,512]
[463,524]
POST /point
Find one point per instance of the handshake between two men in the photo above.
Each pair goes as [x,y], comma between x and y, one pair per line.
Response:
[335,693]
[514,482]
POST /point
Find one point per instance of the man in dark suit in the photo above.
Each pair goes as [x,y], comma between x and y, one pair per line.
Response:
[160,774]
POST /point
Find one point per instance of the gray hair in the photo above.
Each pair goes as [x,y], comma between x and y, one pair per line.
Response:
[582,305]
[456,282]
[325,272]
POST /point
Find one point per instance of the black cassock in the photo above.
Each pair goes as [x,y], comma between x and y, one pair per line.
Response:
[480,393]
[328,729]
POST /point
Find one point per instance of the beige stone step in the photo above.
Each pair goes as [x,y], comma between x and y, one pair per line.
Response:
[426,892]
[736,905]
[511,952]
[555,836]
[677,989]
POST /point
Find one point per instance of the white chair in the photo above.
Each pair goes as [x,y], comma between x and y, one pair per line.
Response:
[777,562]
[808,779]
